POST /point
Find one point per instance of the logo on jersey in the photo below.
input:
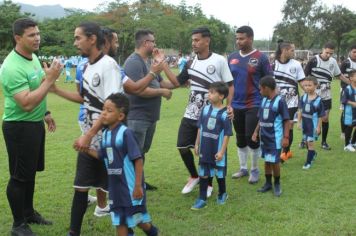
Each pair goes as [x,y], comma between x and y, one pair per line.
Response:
[110,154]
[211,123]
[331,67]
[234,61]
[211,69]
[265,113]
[96,80]
[307,107]
[253,62]
[293,70]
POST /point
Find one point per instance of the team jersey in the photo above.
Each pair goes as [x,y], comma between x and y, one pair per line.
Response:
[214,125]
[272,113]
[346,67]
[324,71]
[311,110]
[18,74]
[79,80]
[119,150]
[201,73]
[247,71]
[349,94]
[100,79]
[287,76]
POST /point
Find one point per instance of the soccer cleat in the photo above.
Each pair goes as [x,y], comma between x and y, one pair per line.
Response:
[37,219]
[306,166]
[265,188]
[241,173]
[190,185]
[349,148]
[254,177]
[100,212]
[221,200]
[277,190]
[354,145]
[209,191]
[325,146]
[22,230]
[91,200]
[302,144]
[199,204]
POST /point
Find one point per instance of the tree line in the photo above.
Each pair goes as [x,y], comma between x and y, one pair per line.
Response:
[307,23]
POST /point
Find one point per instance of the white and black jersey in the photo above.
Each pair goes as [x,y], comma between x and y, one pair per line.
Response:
[324,71]
[201,73]
[100,79]
[287,76]
[346,67]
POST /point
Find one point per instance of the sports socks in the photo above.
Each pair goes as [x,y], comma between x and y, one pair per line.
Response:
[325,129]
[203,187]
[188,159]
[242,153]
[310,156]
[256,154]
[16,196]
[153,231]
[348,132]
[222,185]
[79,206]
[28,207]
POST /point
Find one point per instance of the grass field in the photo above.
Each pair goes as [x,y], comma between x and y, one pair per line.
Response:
[320,201]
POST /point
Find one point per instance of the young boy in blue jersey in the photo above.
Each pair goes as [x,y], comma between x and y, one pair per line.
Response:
[214,129]
[123,160]
[311,111]
[349,117]
[273,127]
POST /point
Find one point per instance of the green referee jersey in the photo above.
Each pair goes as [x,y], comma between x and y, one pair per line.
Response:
[17,74]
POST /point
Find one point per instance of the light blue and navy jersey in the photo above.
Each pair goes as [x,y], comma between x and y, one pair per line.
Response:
[349,94]
[247,71]
[79,80]
[214,125]
[272,114]
[119,150]
[311,110]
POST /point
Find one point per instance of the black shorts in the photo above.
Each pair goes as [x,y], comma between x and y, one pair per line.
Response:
[245,122]
[292,112]
[327,104]
[187,133]
[25,144]
[90,173]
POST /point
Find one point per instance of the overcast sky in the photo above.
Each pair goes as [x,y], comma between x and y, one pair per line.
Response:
[261,15]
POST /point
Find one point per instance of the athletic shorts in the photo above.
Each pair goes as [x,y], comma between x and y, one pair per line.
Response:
[292,111]
[211,170]
[187,133]
[327,104]
[25,144]
[90,173]
[130,216]
[245,122]
[271,155]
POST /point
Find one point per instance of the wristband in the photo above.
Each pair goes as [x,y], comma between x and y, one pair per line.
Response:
[47,113]
[152,74]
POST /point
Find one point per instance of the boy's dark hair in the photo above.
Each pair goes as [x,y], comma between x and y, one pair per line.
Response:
[220,87]
[141,35]
[312,79]
[352,73]
[282,45]
[204,31]
[353,47]
[329,45]
[92,28]
[108,33]
[121,102]
[20,25]
[245,30]
[268,81]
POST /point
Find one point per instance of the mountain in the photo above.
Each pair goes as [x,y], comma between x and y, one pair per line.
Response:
[44,11]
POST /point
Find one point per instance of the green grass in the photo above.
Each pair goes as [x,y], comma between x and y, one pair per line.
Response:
[320,201]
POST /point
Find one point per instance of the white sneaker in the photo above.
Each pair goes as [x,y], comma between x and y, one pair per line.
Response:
[100,212]
[349,148]
[209,191]
[91,200]
[190,185]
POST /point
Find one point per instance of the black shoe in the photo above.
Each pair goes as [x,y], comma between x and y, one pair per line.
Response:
[265,188]
[150,187]
[36,218]
[22,230]
[277,190]
[302,145]
[325,146]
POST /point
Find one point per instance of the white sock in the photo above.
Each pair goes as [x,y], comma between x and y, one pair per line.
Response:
[256,154]
[242,153]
